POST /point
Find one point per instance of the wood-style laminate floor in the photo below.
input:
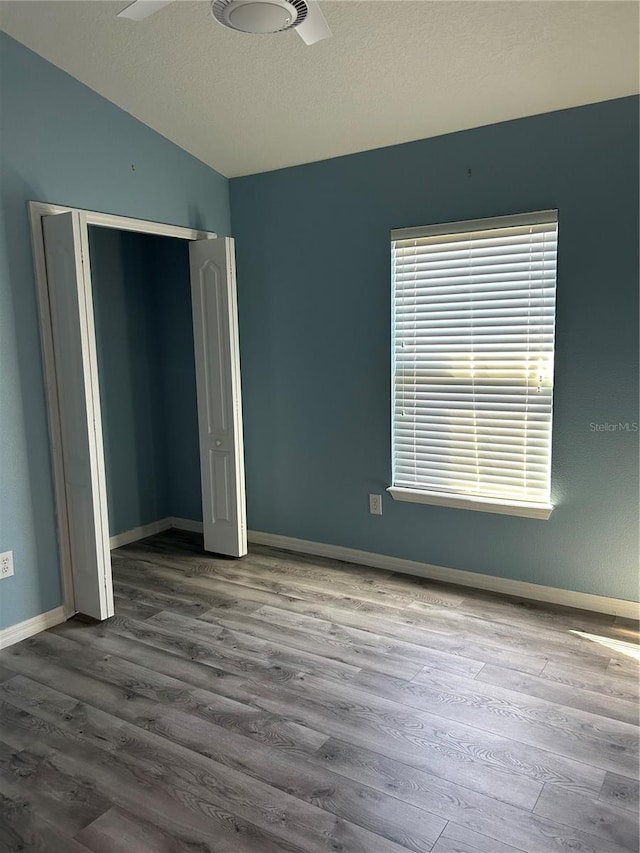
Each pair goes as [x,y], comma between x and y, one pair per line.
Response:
[290,703]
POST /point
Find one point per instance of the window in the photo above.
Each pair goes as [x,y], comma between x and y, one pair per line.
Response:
[472,373]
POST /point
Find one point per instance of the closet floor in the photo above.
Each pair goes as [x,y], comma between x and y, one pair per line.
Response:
[284,703]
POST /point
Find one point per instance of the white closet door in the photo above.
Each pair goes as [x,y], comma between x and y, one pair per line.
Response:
[71,308]
[215,327]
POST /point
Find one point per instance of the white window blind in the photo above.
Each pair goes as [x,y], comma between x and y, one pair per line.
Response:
[473,346]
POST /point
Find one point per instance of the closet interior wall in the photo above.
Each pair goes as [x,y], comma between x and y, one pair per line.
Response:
[144,340]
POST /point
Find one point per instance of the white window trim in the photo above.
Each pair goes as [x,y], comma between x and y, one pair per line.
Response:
[420,496]
[535,218]
[473,502]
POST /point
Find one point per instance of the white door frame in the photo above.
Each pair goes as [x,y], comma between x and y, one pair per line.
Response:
[105,220]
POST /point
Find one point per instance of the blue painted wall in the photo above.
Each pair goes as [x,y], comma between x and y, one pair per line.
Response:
[128,346]
[63,143]
[144,340]
[313,265]
[313,278]
[177,370]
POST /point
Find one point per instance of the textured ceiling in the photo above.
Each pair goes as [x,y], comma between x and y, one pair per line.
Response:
[392,72]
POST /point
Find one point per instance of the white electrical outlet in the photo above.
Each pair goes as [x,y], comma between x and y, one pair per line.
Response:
[6,564]
[375,504]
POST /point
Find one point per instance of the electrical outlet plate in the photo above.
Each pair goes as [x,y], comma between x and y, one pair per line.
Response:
[375,504]
[6,564]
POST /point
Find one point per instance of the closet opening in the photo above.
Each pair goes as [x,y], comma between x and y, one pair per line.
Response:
[147,380]
[139,332]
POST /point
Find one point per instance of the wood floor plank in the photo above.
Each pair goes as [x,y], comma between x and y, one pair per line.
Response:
[211,591]
[505,755]
[621,791]
[205,827]
[472,755]
[623,652]
[381,814]
[134,692]
[316,702]
[459,839]
[236,593]
[193,606]
[525,612]
[22,830]
[236,641]
[404,824]
[627,630]
[253,572]
[590,815]
[118,831]
[191,776]
[480,813]
[602,742]
[228,650]
[524,639]
[551,643]
[5,673]
[626,689]
[131,567]
[564,696]
[461,758]
[133,609]
[377,644]
[325,567]
[290,704]
[377,654]
[261,587]
[454,752]
[390,584]
[416,591]
[405,628]
[626,667]
[63,802]
[171,661]
[305,566]
[508,611]
[220,592]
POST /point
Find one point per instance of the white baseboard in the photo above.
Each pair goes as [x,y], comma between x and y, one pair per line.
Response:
[506,586]
[29,627]
[136,533]
[186,524]
[492,583]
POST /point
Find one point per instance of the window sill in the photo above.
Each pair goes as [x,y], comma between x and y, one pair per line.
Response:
[526,510]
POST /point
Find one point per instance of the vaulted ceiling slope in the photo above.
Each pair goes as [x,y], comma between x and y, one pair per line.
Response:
[392,72]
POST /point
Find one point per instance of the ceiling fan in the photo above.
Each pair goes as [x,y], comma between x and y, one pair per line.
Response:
[252,16]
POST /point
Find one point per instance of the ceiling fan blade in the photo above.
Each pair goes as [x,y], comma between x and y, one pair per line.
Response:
[314,27]
[140,9]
